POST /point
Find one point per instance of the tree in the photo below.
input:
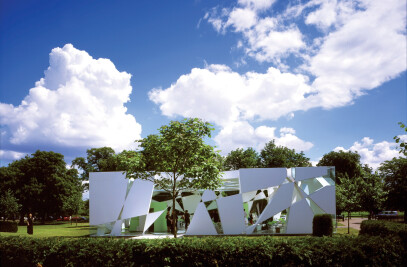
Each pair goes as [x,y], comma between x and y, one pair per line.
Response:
[403,144]
[73,203]
[97,160]
[239,158]
[346,163]
[177,159]
[371,194]
[41,182]
[272,156]
[394,173]
[9,206]
[347,194]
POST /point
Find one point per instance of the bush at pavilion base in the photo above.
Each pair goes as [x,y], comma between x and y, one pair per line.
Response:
[384,229]
[206,251]
[322,225]
[6,226]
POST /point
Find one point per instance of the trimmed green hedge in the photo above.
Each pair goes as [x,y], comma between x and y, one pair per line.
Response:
[322,225]
[6,226]
[384,229]
[207,251]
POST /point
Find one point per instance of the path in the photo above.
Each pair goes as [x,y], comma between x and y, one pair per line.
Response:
[353,223]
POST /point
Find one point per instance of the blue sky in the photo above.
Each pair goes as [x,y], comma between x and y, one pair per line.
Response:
[313,75]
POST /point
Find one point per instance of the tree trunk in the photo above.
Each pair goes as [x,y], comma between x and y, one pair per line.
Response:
[348,221]
[174,222]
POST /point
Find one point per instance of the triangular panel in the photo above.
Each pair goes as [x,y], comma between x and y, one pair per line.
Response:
[150,219]
[201,223]
[325,199]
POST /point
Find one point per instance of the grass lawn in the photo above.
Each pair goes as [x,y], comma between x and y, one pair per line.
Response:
[344,231]
[55,229]
[65,229]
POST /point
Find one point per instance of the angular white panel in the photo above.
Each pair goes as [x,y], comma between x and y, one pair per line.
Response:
[325,199]
[302,173]
[107,191]
[138,199]
[281,200]
[300,218]
[259,178]
[232,214]
[201,223]
[191,202]
[117,228]
[208,195]
[150,219]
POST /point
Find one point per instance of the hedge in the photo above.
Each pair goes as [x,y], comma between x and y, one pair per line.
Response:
[7,226]
[322,225]
[384,229]
[206,251]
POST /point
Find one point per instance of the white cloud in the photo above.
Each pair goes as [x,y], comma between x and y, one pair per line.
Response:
[256,4]
[241,19]
[79,103]
[242,135]
[265,38]
[11,155]
[221,95]
[367,51]
[372,153]
[363,45]
[330,13]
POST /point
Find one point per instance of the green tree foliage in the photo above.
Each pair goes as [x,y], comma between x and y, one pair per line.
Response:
[346,164]
[72,203]
[272,156]
[347,196]
[394,173]
[177,158]
[371,194]
[239,158]
[9,206]
[41,182]
[97,160]
[84,208]
[403,144]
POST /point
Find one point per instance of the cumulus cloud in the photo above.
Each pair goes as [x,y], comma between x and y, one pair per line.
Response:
[78,103]
[368,50]
[360,45]
[363,44]
[218,94]
[372,153]
[265,38]
[242,135]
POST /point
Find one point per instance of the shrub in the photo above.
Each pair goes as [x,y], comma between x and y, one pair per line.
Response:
[206,251]
[6,226]
[322,225]
[384,229]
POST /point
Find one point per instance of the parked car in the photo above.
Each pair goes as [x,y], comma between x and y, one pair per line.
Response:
[387,215]
[66,218]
